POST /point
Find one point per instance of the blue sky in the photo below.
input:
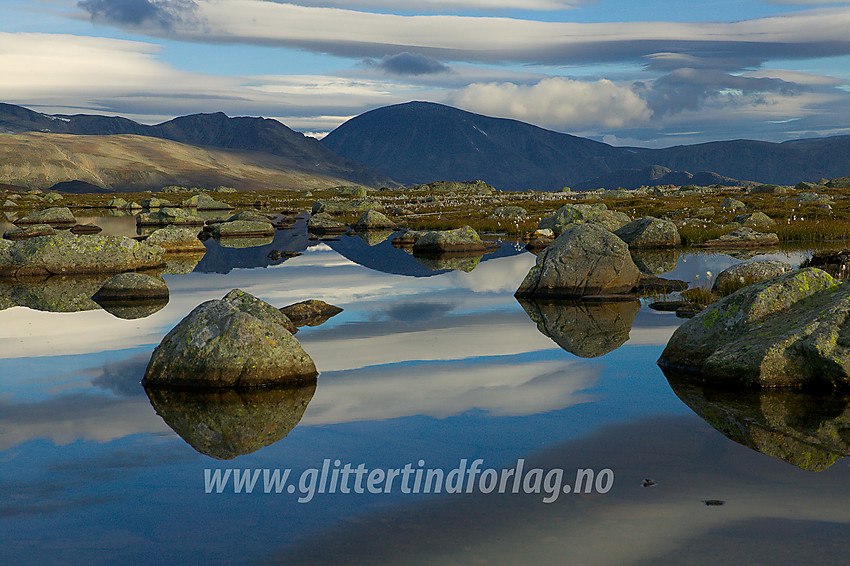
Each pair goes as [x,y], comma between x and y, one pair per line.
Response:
[651,73]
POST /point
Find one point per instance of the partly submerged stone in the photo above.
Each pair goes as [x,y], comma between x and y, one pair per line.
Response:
[67,253]
[239,340]
[243,228]
[741,237]
[177,240]
[311,312]
[649,232]
[166,216]
[224,423]
[744,274]
[323,223]
[585,329]
[464,240]
[585,259]
[788,331]
[570,214]
[52,216]
[250,215]
[30,231]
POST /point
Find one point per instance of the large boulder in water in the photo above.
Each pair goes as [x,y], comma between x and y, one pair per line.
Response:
[649,232]
[52,216]
[235,341]
[177,240]
[459,240]
[70,254]
[788,331]
[585,259]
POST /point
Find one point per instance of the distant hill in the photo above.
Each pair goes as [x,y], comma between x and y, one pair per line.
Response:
[131,162]
[207,130]
[420,142]
[654,176]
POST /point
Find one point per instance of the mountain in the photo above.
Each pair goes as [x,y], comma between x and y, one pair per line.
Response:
[420,142]
[207,130]
[131,163]
[654,176]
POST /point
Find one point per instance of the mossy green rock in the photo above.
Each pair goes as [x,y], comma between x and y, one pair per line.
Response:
[373,220]
[224,423]
[51,216]
[238,341]
[742,237]
[754,220]
[69,254]
[788,331]
[585,259]
[570,214]
[649,232]
[463,239]
[744,274]
[203,201]
[584,329]
[177,240]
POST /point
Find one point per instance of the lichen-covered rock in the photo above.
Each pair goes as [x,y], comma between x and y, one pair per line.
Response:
[585,259]
[30,231]
[744,274]
[116,203]
[755,220]
[324,223]
[53,197]
[741,238]
[787,331]
[238,228]
[224,423]
[354,192]
[177,240]
[732,204]
[649,232]
[348,207]
[251,216]
[51,216]
[130,287]
[236,341]
[68,253]
[166,216]
[154,203]
[585,329]
[373,220]
[570,214]
[311,312]
[464,240]
[203,201]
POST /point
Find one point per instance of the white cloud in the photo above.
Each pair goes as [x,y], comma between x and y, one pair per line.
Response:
[557,102]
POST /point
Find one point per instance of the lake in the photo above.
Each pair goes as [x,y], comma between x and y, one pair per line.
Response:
[430,368]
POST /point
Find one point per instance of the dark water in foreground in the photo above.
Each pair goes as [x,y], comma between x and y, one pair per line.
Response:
[433,366]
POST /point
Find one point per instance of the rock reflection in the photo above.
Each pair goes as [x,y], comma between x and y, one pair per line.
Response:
[224,423]
[131,310]
[452,261]
[656,262]
[583,328]
[810,431]
[180,264]
[242,242]
[374,237]
[52,294]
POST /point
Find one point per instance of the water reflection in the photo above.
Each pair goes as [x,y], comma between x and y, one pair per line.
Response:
[809,431]
[374,237]
[243,242]
[224,423]
[132,310]
[52,294]
[656,262]
[453,262]
[585,329]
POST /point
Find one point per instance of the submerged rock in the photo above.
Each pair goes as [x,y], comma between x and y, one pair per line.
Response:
[236,341]
[649,232]
[311,312]
[788,331]
[68,253]
[435,242]
[585,329]
[585,259]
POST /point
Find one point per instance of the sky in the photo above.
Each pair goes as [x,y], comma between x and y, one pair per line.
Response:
[654,73]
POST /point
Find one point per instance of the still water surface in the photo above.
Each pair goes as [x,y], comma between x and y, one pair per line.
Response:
[426,363]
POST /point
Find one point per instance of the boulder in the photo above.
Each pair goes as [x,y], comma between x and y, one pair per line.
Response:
[741,237]
[250,216]
[787,331]
[585,259]
[51,216]
[348,207]
[53,197]
[324,223]
[29,232]
[154,203]
[733,204]
[239,228]
[649,232]
[67,253]
[755,220]
[236,341]
[570,214]
[459,240]
[166,216]
[203,201]
[116,203]
[373,220]
[744,274]
[311,312]
[177,240]
[354,192]
[584,329]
